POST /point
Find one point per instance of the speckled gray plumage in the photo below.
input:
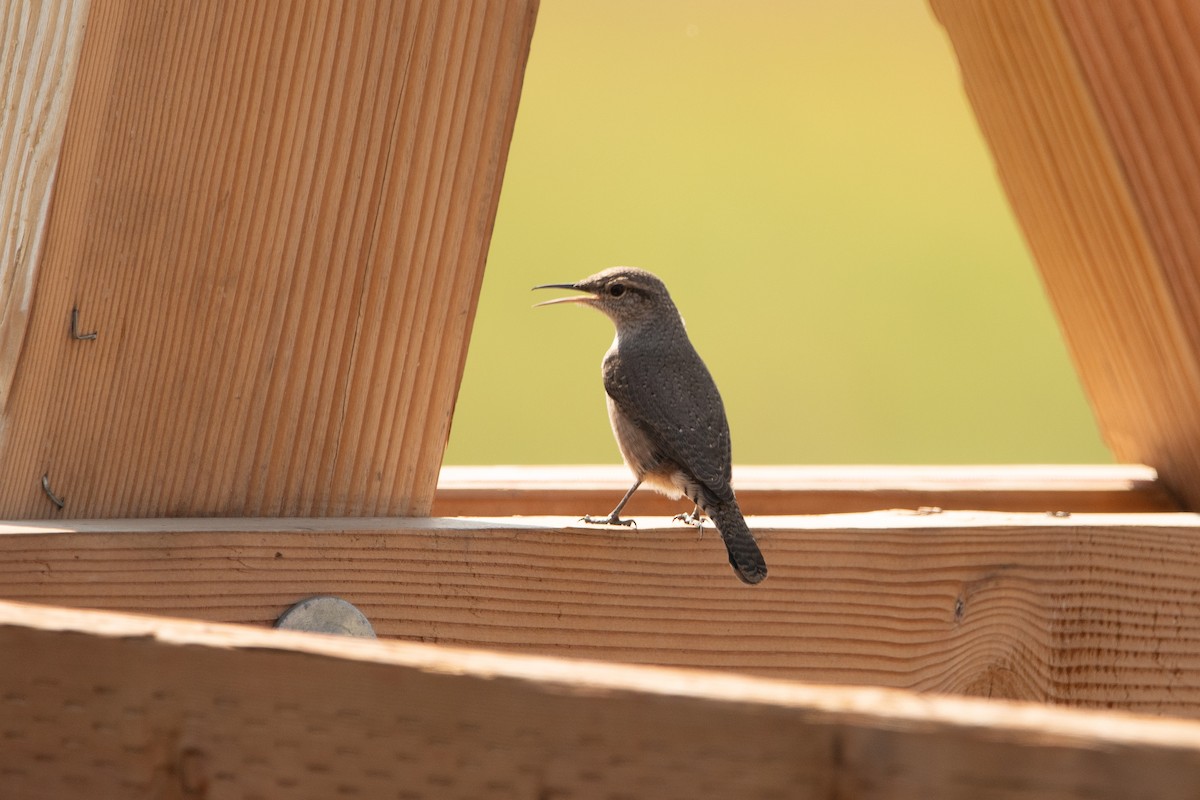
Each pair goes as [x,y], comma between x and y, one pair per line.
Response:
[666,412]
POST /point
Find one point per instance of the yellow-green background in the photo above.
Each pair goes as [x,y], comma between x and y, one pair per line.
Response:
[807,178]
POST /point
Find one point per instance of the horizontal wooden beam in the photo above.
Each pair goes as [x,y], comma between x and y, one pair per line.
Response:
[105,705]
[567,490]
[1093,610]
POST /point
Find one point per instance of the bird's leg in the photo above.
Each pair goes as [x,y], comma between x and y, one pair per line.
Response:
[695,517]
[614,518]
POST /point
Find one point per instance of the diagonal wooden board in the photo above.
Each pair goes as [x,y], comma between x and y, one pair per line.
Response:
[1091,109]
[41,48]
[1097,610]
[275,218]
[103,705]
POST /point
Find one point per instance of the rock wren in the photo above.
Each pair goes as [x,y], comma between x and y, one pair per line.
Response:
[665,410]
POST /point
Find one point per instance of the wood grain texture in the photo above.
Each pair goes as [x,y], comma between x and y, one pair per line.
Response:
[1090,110]
[105,705]
[1090,610]
[776,490]
[275,216]
[39,51]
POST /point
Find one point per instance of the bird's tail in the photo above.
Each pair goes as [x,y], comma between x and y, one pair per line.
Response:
[744,555]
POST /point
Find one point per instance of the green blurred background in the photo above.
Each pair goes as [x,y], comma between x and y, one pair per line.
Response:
[808,179]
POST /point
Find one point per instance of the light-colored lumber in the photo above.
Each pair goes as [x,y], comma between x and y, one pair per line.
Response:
[103,705]
[1092,112]
[274,216]
[40,42]
[775,490]
[1098,610]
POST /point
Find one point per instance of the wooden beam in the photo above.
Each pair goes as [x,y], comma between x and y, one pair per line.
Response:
[566,490]
[1092,112]
[275,217]
[104,705]
[39,53]
[1089,610]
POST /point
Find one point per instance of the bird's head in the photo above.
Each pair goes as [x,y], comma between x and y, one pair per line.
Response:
[629,296]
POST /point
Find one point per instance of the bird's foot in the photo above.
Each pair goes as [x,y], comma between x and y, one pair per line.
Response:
[611,519]
[693,518]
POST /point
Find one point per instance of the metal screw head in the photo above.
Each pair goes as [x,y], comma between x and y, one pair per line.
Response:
[326,614]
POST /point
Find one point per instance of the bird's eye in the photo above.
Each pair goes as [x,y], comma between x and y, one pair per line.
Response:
[617,289]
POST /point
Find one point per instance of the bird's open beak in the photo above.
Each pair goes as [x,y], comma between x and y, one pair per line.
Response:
[581,298]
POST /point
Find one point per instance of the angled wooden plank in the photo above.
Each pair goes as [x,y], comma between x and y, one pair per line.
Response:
[1090,110]
[776,490]
[275,217]
[107,705]
[39,52]
[1088,610]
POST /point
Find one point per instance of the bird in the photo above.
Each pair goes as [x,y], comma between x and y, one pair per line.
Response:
[666,413]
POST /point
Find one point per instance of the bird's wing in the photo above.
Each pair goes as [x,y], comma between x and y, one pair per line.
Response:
[675,402]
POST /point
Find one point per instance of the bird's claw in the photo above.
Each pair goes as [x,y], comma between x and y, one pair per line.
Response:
[611,519]
[692,518]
